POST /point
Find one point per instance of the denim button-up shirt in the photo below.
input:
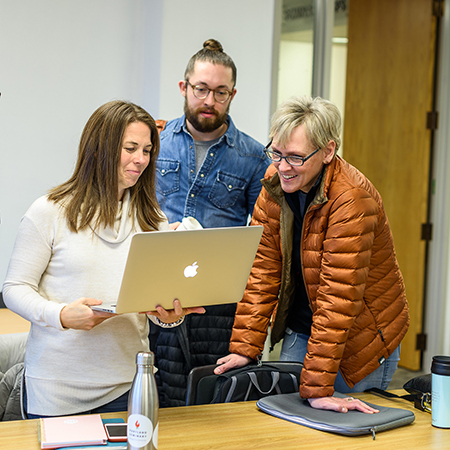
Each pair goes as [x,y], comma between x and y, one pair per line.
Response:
[226,187]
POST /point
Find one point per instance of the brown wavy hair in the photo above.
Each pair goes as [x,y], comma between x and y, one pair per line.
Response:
[90,195]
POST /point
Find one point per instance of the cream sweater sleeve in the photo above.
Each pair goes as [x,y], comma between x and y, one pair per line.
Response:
[30,257]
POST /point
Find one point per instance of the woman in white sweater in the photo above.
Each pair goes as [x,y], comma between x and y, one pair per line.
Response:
[70,253]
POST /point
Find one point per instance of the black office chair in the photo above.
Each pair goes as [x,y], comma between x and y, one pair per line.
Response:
[251,382]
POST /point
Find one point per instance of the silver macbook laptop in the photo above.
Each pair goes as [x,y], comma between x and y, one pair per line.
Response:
[201,267]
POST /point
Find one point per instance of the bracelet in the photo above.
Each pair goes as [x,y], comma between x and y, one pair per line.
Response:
[162,324]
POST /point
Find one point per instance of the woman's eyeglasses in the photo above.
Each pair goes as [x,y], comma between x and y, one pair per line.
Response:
[293,160]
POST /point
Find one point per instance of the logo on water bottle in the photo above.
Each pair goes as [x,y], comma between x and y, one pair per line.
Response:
[140,430]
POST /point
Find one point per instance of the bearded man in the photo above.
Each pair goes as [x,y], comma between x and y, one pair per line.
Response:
[209,170]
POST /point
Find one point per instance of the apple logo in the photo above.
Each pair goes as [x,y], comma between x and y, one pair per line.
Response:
[191,271]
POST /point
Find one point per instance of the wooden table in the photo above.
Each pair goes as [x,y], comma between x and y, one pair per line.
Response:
[238,426]
[12,323]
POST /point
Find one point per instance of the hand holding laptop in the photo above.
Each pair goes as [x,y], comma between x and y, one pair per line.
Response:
[79,315]
[201,267]
[175,314]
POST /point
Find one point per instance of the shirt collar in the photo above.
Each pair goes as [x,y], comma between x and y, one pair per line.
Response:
[229,135]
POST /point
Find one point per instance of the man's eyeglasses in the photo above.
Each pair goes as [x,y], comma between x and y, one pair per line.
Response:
[201,92]
[293,160]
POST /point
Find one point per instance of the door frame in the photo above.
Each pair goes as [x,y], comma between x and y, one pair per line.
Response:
[437,308]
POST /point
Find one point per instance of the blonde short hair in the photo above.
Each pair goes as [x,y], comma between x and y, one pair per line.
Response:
[321,119]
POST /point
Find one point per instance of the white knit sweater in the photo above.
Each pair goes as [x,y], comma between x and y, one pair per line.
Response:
[70,371]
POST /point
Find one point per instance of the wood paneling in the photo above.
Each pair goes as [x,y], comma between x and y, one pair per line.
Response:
[388,94]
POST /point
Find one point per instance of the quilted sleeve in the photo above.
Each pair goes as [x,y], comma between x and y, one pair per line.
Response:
[260,298]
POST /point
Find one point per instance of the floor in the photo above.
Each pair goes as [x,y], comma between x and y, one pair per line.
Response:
[401,376]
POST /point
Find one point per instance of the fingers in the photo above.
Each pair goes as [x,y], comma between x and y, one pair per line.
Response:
[172,315]
[177,307]
[351,403]
[361,406]
[342,405]
[231,361]
[90,301]
[80,316]
[222,360]
[223,368]
[197,310]
[162,313]
[224,365]
[180,311]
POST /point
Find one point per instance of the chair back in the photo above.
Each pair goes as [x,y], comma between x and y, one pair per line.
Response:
[251,382]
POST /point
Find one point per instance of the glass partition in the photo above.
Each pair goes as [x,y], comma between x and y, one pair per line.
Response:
[296,55]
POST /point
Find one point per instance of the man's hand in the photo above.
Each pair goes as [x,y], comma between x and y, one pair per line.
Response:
[79,316]
[341,404]
[172,315]
[231,361]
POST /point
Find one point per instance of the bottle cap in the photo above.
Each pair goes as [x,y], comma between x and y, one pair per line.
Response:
[440,365]
[145,358]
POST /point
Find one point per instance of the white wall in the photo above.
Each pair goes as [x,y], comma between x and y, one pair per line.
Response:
[60,60]
[245,30]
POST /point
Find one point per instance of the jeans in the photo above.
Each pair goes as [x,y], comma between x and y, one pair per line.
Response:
[294,348]
[118,404]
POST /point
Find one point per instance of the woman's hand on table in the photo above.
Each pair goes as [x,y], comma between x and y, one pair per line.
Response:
[342,405]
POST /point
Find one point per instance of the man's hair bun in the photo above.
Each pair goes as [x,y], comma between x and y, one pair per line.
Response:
[213,45]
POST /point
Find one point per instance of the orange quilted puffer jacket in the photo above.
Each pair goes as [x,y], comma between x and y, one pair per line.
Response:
[352,278]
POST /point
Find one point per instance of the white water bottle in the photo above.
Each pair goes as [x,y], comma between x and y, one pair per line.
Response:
[143,406]
[440,392]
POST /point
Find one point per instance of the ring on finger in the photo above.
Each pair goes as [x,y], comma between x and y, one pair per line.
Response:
[349,399]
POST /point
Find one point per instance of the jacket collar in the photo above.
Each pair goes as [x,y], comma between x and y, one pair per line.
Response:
[272,183]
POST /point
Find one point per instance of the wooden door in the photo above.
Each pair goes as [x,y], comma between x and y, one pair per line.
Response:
[389,92]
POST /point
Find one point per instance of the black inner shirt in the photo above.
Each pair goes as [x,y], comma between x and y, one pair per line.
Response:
[300,314]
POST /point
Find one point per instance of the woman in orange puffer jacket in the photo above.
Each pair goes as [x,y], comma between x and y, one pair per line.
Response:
[325,270]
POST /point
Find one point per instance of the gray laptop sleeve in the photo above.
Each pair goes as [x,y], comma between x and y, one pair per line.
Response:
[293,408]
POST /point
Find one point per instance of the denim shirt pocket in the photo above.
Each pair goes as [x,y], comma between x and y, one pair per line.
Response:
[168,174]
[226,190]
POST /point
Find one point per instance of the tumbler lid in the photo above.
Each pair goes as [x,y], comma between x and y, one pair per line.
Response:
[440,365]
[145,358]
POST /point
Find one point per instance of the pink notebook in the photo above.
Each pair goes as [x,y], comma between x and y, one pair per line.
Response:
[70,431]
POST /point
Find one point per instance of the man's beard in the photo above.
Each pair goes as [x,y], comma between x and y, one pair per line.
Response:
[203,124]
